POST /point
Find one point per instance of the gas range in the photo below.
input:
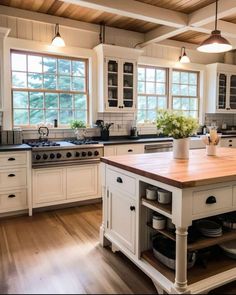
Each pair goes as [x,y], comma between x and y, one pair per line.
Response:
[51,154]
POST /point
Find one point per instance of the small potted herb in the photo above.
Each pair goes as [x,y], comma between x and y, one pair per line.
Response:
[79,127]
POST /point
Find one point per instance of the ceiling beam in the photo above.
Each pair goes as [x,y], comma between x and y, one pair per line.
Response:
[162,33]
[51,19]
[136,10]
[206,15]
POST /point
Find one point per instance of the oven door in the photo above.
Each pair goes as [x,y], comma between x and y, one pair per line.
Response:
[158,147]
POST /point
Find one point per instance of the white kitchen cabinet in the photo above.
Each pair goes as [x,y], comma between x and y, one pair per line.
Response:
[15,181]
[48,186]
[221,88]
[228,142]
[82,181]
[54,186]
[123,149]
[117,69]
[121,222]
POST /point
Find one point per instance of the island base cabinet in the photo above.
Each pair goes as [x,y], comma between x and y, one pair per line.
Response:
[121,221]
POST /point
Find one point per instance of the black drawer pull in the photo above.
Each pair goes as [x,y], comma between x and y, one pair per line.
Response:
[230,145]
[130,151]
[211,200]
[11,175]
[11,159]
[230,140]
[119,180]
[11,196]
[132,208]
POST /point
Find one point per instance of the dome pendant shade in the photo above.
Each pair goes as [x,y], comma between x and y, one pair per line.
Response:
[184,59]
[215,44]
[57,40]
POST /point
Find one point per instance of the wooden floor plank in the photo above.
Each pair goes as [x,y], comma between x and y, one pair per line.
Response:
[59,252]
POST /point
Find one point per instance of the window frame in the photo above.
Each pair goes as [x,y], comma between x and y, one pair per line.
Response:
[167,75]
[45,90]
[184,96]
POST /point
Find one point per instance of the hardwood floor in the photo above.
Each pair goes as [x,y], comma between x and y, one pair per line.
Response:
[59,252]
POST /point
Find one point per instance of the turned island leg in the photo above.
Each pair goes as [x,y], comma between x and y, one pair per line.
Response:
[181,259]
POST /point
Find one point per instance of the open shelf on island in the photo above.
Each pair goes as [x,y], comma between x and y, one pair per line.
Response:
[202,242]
[214,266]
[160,208]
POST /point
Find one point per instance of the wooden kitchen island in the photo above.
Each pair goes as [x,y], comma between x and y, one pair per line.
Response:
[201,187]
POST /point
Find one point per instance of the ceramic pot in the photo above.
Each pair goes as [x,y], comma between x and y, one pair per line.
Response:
[181,148]
[211,150]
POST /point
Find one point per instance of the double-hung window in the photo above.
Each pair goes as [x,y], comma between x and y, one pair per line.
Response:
[152,92]
[185,92]
[47,87]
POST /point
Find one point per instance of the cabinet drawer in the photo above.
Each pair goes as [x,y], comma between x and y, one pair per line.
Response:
[12,159]
[13,200]
[13,178]
[130,149]
[121,181]
[213,200]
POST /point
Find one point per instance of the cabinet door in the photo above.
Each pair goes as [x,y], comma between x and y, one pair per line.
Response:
[129,69]
[48,186]
[232,95]
[112,83]
[222,91]
[82,181]
[121,220]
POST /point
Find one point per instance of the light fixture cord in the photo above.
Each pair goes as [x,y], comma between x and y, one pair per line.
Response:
[216,15]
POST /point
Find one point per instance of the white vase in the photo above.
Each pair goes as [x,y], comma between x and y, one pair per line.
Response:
[211,149]
[181,148]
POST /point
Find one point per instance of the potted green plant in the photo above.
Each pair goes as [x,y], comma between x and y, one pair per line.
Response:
[178,126]
[79,127]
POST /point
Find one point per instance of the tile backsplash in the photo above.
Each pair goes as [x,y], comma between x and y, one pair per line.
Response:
[122,125]
[219,119]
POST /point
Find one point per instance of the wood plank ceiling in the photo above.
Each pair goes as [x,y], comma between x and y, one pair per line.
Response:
[75,12]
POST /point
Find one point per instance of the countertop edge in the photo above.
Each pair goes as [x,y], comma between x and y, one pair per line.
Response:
[15,148]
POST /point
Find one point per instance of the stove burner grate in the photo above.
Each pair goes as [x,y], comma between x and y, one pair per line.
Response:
[43,143]
[82,142]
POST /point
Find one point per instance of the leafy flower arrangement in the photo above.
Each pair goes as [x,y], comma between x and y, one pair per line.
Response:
[175,125]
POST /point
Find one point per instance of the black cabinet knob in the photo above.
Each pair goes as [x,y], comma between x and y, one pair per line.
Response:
[90,154]
[211,200]
[130,151]
[119,180]
[96,153]
[58,156]
[132,208]
[11,175]
[11,196]
[11,159]
[84,154]
[69,155]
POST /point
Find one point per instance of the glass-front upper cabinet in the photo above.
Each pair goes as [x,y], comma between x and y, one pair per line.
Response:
[112,83]
[128,84]
[222,91]
[232,98]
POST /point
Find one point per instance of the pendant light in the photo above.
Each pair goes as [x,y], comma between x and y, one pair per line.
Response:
[184,59]
[215,43]
[57,40]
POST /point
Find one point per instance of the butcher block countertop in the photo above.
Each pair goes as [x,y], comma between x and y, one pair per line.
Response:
[199,170]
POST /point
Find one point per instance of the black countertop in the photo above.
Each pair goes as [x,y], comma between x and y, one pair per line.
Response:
[14,147]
